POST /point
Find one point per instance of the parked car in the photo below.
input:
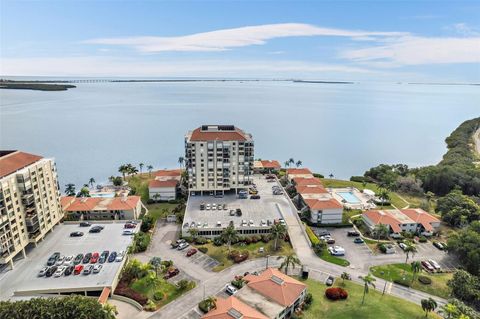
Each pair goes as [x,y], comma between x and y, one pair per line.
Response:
[128,232]
[51,271]
[255,197]
[69,260]
[434,264]
[60,260]
[128,225]
[253,191]
[238,211]
[427,265]
[76,234]
[59,272]
[78,269]
[96,229]
[94,258]
[182,246]
[336,251]
[69,270]
[282,222]
[86,258]
[85,224]
[97,268]
[53,259]
[120,256]
[171,272]
[87,270]
[322,232]
[402,245]
[78,259]
[358,240]
[112,257]
[191,252]
[202,206]
[330,280]
[353,233]
[43,271]
[231,290]
[439,245]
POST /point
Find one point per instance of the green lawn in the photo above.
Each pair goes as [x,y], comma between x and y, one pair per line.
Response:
[140,183]
[396,201]
[334,259]
[376,306]
[220,253]
[160,210]
[438,287]
[347,214]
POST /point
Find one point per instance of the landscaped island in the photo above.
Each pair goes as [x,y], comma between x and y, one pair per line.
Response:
[38,86]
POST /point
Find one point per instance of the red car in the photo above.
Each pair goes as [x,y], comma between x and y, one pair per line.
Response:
[191,252]
[427,265]
[94,258]
[171,273]
[78,269]
[129,225]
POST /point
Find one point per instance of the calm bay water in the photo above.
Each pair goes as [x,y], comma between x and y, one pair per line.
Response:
[332,128]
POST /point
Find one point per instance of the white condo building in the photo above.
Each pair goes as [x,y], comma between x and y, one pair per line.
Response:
[218,158]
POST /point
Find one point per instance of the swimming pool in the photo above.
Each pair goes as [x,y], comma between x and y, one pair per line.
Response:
[349,197]
[103,195]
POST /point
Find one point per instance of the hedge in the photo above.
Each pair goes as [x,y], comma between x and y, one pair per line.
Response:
[425,280]
[401,282]
[203,249]
[336,293]
[311,235]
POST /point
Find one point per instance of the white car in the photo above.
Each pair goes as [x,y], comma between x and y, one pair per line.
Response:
[60,271]
[434,264]
[60,260]
[69,260]
[120,256]
[282,222]
[230,290]
[97,268]
[182,246]
[336,251]
[402,245]
[43,271]
[128,232]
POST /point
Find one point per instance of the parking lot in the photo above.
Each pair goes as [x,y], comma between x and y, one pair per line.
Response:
[24,279]
[255,210]
[199,259]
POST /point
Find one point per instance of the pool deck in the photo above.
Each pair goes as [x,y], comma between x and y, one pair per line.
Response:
[364,200]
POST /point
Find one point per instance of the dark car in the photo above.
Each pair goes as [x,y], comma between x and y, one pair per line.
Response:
[255,196]
[76,234]
[353,233]
[330,241]
[86,258]
[238,212]
[171,273]
[322,232]
[104,256]
[69,270]
[191,252]
[53,259]
[330,280]
[95,229]
[51,271]
[112,257]
[358,240]
[85,224]
[78,259]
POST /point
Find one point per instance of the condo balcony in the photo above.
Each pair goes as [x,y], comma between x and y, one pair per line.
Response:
[28,199]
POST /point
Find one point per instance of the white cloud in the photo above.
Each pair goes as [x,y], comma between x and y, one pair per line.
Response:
[221,40]
[463,29]
[413,50]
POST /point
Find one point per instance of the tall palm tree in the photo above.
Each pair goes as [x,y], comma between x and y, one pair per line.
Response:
[123,169]
[210,302]
[368,280]
[70,189]
[181,160]
[228,235]
[91,181]
[449,311]
[150,169]
[380,231]
[291,160]
[298,163]
[416,269]
[428,305]
[286,164]
[383,195]
[289,260]
[409,249]
[278,231]
[141,165]
[331,175]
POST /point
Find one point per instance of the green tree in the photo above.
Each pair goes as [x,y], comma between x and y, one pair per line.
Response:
[298,163]
[210,302]
[150,169]
[84,192]
[458,209]
[416,269]
[123,169]
[193,233]
[156,263]
[229,235]
[278,231]
[383,195]
[465,287]
[141,165]
[368,281]
[409,249]
[91,181]
[380,231]
[70,189]
[291,161]
[181,160]
[289,261]
[449,311]
[110,310]
[428,305]
[466,245]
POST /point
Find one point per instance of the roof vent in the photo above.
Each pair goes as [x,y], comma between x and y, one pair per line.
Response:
[235,313]
[277,280]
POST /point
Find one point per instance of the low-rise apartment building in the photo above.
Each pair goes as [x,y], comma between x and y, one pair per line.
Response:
[266,166]
[233,308]
[29,201]
[98,208]
[165,185]
[404,220]
[218,158]
[299,173]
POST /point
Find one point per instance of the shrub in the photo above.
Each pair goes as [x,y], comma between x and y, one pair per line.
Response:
[158,295]
[141,242]
[402,282]
[425,280]
[311,235]
[422,239]
[188,239]
[318,175]
[307,301]
[167,263]
[217,241]
[203,249]
[238,283]
[150,306]
[200,240]
[203,305]
[265,238]
[183,284]
[248,240]
[238,256]
[336,293]
[255,239]
[382,248]
[359,179]
[150,201]
[147,223]
[124,290]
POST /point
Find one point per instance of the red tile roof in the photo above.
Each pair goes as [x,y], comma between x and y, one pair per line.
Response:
[163,183]
[276,286]
[298,171]
[11,162]
[383,217]
[270,164]
[421,217]
[311,189]
[99,204]
[168,172]
[235,135]
[319,204]
[302,181]
[226,308]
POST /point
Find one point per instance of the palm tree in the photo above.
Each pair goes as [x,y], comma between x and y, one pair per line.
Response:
[141,165]
[380,231]
[181,160]
[449,311]
[416,269]
[84,192]
[210,302]
[428,305]
[228,235]
[291,160]
[91,181]
[289,260]
[383,195]
[277,231]
[298,163]
[368,280]
[111,179]
[410,248]
[150,169]
[286,164]
[70,189]
[331,175]
[123,169]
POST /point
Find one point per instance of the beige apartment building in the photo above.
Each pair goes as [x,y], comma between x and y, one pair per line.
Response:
[218,158]
[29,201]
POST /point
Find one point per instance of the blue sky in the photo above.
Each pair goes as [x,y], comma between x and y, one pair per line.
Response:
[329,40]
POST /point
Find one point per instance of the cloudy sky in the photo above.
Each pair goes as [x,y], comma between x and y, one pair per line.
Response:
[417,40]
